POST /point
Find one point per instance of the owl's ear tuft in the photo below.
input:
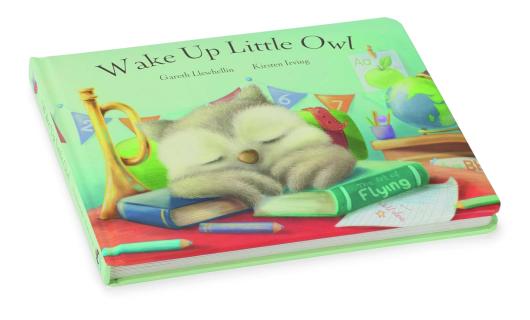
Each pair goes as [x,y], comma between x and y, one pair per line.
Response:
[155,130]
[252,94]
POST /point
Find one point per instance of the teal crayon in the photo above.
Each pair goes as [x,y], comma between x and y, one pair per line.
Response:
[241,227]
[147,246]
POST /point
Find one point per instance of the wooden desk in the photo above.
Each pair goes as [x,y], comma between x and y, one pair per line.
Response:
[424,148]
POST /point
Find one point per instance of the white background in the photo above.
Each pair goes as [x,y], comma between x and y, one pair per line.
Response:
[478,55]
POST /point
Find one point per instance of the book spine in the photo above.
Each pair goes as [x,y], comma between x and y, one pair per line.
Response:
[40,81]
[159,217]
[355,195]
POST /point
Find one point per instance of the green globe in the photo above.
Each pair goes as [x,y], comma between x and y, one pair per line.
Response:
[417,101]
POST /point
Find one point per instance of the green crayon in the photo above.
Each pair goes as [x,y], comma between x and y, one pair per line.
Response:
[371,182]
[147,246]
[477,202]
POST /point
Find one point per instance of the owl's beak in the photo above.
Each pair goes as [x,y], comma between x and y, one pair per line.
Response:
[248,156]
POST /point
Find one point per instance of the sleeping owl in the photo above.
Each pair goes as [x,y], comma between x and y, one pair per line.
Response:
[247,148]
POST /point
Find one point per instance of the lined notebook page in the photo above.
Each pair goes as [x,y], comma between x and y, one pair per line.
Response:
[430,204]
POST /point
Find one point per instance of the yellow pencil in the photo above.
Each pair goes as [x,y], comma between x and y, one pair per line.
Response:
[371,52]
[374,115]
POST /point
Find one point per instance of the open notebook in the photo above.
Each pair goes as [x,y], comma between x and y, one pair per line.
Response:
[217,153]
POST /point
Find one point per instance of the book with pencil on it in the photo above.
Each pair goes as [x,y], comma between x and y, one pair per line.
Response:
[218,153]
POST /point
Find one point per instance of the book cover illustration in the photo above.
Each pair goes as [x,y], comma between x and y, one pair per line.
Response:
[232,143]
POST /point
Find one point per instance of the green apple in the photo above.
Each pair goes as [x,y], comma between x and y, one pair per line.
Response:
[383,76]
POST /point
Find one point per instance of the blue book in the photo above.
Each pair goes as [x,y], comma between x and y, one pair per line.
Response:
[159,208]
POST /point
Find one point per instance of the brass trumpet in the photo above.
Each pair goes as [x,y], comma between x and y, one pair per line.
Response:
[119,182]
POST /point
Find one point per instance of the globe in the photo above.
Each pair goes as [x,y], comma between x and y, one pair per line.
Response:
[417,101]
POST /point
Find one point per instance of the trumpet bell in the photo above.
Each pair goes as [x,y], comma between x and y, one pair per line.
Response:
[119,182]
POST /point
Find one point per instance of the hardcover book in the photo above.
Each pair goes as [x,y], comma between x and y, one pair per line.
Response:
[219,153]
[159,208]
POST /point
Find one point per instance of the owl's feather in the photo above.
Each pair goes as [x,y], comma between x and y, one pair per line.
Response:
[248,186]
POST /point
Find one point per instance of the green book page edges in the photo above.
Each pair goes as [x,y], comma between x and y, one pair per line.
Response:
[356,143]
[151,172]
[375,181]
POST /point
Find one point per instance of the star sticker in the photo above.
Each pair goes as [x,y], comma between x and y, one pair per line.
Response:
[380,214]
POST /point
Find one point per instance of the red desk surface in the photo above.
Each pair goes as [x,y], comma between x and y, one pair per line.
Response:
[113,232]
